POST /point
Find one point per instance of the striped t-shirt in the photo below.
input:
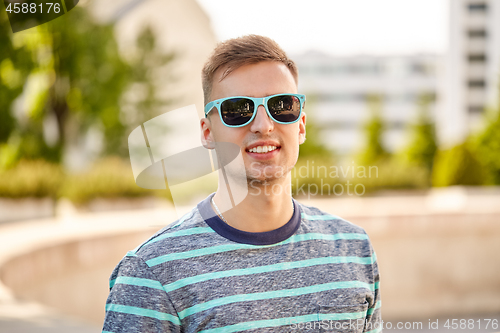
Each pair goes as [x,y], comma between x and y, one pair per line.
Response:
[316,273]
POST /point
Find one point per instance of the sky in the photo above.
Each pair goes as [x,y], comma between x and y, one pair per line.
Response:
[338,27]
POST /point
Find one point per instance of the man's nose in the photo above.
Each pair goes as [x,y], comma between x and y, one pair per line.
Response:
[262,123]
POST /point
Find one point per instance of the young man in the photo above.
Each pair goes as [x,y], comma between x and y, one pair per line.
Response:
[265,263]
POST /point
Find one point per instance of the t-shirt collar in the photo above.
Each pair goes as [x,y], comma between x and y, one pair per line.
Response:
[245,237]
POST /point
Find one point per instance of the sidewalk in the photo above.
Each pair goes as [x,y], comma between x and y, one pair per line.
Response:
[34,318]
[475,323]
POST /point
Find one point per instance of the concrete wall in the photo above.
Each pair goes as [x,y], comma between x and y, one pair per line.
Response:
[438,254]
[71,277]
[25,209]
[437,265]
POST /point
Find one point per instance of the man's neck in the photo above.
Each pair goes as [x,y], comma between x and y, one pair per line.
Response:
[261,210]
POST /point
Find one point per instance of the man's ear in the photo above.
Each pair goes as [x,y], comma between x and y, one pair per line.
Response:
[302,128]
[207,138]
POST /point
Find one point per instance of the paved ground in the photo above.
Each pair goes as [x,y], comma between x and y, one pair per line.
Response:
[475,324]
[28,317]
[45,325]
[59,324]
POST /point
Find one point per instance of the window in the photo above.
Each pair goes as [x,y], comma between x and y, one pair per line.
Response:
[475,108]
[477,58]
[476,7]
[476,84]
[477,33]
[421,68]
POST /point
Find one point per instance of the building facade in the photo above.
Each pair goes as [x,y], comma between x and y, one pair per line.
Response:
[339,88]
[472,68]
[464,83]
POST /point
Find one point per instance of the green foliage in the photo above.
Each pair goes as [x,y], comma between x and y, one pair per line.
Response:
[315,170]
[457,166]
[410,169]
[69,71]
[374,151]
[312,151]
[109,178]
[422,146]
[146,64]
[89,78]
[15,64]
[313,147]
[394,174]
[31,179]
[487,146]
[315,177]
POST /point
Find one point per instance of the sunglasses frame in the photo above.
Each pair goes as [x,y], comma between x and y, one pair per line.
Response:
[258,101]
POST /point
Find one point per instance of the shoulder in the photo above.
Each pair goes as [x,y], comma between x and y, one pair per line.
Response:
[316,218]
[331,227]
[188,232]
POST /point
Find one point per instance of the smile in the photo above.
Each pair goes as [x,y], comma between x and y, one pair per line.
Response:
[262,149]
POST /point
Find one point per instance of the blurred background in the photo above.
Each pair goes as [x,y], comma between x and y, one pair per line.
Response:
[403,139]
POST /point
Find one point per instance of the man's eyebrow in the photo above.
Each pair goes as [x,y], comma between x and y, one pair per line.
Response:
[266,95]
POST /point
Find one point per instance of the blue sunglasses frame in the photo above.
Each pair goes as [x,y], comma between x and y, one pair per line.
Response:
[257,101]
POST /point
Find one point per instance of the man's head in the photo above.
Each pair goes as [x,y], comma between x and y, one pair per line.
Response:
[234,53]
[253,66]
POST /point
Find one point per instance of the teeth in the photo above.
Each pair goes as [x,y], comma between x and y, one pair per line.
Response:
[262,149]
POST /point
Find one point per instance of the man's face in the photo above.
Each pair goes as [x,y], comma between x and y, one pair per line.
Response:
[258,80]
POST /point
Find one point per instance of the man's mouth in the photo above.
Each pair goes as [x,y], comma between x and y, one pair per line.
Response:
[262,149]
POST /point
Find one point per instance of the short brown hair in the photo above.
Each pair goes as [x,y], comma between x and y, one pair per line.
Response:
[237,52]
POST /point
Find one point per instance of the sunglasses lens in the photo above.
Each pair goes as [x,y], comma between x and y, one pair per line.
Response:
[285,109]
[237,111]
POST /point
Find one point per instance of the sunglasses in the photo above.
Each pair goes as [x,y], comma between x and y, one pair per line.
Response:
[239,111]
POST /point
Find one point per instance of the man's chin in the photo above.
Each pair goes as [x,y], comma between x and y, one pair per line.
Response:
[260,171]
[268,186]
[262,180]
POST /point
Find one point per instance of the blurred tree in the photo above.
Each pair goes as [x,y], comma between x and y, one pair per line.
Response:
[89,78]
[313,147]
[457,166]
[75,70]
[374,151]
[15,64]
[71,78]
[422,146]
[487,146]
[143,103]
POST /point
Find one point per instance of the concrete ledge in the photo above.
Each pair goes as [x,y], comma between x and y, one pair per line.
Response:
[25,209]
[12,210]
